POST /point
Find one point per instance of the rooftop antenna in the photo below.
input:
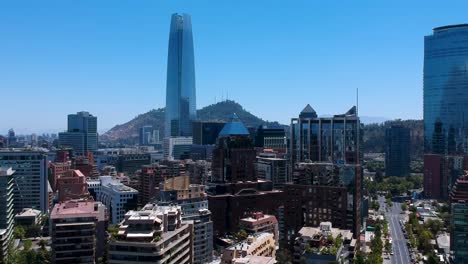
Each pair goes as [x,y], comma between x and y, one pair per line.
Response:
[357,101]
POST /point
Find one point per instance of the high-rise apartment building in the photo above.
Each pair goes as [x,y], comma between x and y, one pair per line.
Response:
[155,234]
[397,151]
[180,94]
[78,231]
[194,204]
[445,90]
[6,210]
[325,139]
[81,134]
[30,178]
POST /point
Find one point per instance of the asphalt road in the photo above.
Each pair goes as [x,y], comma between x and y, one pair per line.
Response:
[401,254]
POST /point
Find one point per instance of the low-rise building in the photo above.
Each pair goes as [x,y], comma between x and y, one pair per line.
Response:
[78,230]
[28,217]
[260,223]
[155,234]
[262,244]
[324,244]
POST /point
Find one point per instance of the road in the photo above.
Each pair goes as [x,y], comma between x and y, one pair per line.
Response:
[400,249]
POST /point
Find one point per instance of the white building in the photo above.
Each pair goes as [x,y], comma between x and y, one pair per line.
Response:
[177,147]
[117,197]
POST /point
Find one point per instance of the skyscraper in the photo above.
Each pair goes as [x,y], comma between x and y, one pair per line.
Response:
[180,93]
[397,151]
[81,134]
[446,90]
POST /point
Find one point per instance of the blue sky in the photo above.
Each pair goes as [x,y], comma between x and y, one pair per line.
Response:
[273,57]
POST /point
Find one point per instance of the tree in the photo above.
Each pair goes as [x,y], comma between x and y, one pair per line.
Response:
[19,232]
[241,235]
[404,207]
[388,246]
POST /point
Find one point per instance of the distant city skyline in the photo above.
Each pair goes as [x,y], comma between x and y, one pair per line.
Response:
[110,58]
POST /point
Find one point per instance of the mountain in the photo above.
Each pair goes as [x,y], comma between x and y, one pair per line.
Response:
[222,111]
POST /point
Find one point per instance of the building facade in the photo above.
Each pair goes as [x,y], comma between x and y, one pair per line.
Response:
[445,90]
[397,151]
[81,134]
[78,231]
[194,204]
[117,197]
[329,139]
[459,220]
[6,210]
[275,170]
[206,132]
[177,148]
[180,94]
[234,156]
[262,244]
[30,178]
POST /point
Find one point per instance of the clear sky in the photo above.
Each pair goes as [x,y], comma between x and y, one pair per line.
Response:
[273,57]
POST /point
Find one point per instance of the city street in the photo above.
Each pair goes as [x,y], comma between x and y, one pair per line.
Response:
[399,247]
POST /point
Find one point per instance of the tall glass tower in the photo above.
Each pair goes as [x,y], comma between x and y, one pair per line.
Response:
[446,90]
[180,93]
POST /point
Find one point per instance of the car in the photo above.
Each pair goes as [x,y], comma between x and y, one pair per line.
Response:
[391,253]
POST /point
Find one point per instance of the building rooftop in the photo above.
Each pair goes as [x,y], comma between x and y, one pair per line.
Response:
[78,209]
[450,27]
[251,259]
[6,171]
[28,212]
[250,241]
[234,128]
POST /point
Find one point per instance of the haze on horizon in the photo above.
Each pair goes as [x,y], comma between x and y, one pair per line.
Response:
[110,58]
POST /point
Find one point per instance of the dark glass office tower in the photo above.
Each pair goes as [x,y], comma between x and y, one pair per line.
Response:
[397,151]
[180,93]
[446,90]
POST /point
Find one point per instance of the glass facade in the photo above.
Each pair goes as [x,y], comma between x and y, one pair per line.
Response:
[180,93]
[446,90]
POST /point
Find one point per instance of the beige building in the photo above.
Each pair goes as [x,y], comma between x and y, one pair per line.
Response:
[155,234]
[262,244]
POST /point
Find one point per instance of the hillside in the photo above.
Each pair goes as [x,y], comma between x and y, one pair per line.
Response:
[222,111]
[374,136]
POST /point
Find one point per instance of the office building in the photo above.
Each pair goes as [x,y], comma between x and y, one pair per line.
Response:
[180,94]
[270,137]
[262,244]
[194,204]
[234,155]
[441,173]
[206,132]
[323,192]
[272,169]
[81,134]
[445,92]
[28,217]
[177,148]
[202,152]
[325,139]
[145,136]
[459,220]
[118,198]
[6,210]
[131,162]
[30,178]
[230,202]
[155,234]
[397,151]
[78,231]
[324,244]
